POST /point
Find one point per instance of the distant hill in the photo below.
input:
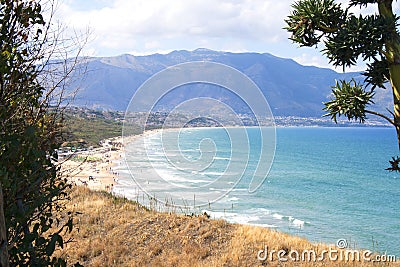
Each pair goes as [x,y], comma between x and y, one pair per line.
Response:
[290,88]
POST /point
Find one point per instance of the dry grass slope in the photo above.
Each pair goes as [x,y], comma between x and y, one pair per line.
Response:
[117,232]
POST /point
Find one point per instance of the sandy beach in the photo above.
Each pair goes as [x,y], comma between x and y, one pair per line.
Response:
[94,169]
[98,168]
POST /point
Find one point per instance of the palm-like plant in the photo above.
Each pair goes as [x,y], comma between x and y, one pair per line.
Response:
[347,38]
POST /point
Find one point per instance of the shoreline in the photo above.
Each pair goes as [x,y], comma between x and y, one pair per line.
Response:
[100,174]
[121,193]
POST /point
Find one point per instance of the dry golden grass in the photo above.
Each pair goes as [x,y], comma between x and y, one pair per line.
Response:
[116,232]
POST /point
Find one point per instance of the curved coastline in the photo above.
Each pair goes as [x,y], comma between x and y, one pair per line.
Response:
[285,217]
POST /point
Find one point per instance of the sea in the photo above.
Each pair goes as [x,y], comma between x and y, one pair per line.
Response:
[324,184]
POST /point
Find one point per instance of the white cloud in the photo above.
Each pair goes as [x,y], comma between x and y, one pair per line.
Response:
[150,26]
[311,59]
[129,24]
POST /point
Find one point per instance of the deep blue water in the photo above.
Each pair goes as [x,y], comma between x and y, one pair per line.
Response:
[324,183]
[334,180]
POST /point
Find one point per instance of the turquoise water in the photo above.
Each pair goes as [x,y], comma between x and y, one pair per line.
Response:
[333,180]
[324,184]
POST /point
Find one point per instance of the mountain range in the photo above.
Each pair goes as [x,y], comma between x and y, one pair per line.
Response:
[290,88]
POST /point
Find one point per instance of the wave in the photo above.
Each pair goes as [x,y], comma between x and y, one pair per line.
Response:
[298,223]
[277,216]
[231,199]
[173,177]
[295,222]
[232,217]
[214,173]
[222,158]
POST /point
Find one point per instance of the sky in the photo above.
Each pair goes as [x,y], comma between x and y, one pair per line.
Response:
[142,27]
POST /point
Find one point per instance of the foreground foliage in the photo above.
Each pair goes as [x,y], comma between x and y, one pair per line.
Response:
[31,189]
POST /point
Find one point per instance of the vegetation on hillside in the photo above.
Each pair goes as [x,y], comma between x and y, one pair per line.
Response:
[32,190]
[85,128]
[85,132]
[113,231]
